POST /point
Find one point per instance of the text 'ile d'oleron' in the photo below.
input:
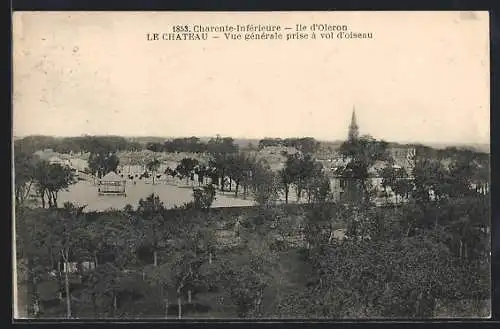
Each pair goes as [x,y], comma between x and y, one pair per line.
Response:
[247,32]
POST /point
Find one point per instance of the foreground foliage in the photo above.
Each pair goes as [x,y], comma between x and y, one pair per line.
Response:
[173,263]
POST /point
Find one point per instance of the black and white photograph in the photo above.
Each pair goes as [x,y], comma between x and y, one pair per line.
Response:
[251,165]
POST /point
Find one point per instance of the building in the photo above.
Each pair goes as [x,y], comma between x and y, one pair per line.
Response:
[132,169]
[403,158]
[112,184]
[78,164]
[58,160]
[353,127]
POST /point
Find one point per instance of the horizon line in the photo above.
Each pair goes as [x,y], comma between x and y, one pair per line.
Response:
[253,138]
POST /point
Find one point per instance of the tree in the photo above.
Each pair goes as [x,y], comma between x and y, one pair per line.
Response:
[154,147]
[183,274]
[134,147]
[288,174]
[181,271]
[171,172]
[402,186]
[298,170]
[307,145]
[246,288]
[286,181]
[153,166]
[162,277]
[388,178]
[59,178]
[113,239]
[205,243]
[31,144]
[50,179]
[390,277]
[66,227]
[101,163]
[462,171]
[221,150]
[377,283]
[33,254]
[320,189]
[249,164]
[397,180]
[317,184]
[201,171]
[244,277]
[305,169]
[219,167]
[186,168]
[430,178]
[104,285]
[250,276]
[239,167]
[204,197]
[213,175]
[265,185]
[361,155]
[151,210]
[467,224]
[24,170]
[40,174]
[266,142]
[188,145]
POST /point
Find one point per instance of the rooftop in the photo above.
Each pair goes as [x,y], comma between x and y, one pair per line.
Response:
[112,177]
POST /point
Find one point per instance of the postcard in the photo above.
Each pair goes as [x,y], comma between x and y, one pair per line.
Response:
[251,165]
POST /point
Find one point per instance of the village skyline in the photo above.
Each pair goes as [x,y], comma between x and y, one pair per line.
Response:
[241,140]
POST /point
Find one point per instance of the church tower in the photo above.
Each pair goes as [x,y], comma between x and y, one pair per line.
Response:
[353,127]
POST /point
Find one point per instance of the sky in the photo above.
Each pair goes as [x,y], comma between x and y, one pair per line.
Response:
[424,77]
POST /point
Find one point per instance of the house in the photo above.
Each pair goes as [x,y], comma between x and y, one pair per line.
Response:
[78,164]
[112,184]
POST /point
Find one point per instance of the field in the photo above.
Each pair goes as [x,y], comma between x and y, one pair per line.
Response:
[171,194]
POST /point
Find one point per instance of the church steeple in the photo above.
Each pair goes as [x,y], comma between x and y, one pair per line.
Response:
[353,127]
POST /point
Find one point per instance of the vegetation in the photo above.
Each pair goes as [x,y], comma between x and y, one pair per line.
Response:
[153,166]
[46,179]
[317,259]
[92,144]
[305,145]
